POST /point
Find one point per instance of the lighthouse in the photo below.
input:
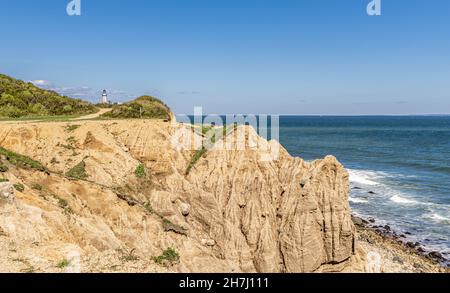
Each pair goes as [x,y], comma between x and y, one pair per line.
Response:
[104,97]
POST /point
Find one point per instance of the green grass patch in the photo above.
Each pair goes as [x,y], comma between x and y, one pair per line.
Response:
[63,264]
[36,186]
[67,146]
[21,160]
[3,168]
[78,172]
[198,154]
[148,207]
[71,139]
[218,133]
[140,171]
[62,203]
[206,129]
[57,118]
[73,127]
[19,187]
[169,256]
[2,180]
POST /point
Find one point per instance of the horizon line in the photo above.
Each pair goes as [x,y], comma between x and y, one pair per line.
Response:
[323,115]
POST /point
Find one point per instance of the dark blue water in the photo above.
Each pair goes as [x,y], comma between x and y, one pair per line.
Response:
[404,160]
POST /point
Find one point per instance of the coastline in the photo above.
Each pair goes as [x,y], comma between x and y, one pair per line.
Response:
[389,252]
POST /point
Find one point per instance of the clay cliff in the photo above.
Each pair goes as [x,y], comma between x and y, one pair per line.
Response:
[117,196]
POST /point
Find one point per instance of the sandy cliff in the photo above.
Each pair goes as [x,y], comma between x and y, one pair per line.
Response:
[236,210]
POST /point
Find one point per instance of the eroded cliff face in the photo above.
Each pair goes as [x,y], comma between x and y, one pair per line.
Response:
[235,211]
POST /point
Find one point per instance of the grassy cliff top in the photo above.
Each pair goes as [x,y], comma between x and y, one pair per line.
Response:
[23,99]
[145,107]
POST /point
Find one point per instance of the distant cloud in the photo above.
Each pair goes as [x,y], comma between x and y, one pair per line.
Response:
[40,82]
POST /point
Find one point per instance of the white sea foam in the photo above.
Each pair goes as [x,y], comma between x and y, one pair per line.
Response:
[357,200]
[363,177]
[438,218]
[401,200]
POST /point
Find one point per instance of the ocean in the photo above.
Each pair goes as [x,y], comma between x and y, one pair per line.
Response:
[399,168]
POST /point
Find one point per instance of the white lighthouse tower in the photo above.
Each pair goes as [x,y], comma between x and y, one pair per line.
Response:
[104,97]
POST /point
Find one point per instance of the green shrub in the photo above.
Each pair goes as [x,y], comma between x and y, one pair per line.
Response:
[21,160]
[62,203]
[3,180]
[67,109]
[148,207]
[36,186]
[144,107]
[19,187]
[72,127]
[3,168]
[63,264]
[140,171]
[78,172]
[21,99]
[198,154]
[169,255]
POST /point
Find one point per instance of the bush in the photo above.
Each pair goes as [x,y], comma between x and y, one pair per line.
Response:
[198,154]
[19,187]
[144,107]
[21,99]
[63,264]
[72,127]
[3,168]
[169,255]
[67,109]
[21,160]
[140,171]
[78,172]
[36,186]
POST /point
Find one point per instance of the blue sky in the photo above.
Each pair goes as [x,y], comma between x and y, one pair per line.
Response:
[238,56]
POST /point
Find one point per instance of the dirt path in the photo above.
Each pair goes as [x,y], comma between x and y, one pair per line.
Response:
[86,117]
[93,116]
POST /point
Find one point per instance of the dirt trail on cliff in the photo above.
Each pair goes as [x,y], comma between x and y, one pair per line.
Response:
[93,116]
[117,196]
[85,117]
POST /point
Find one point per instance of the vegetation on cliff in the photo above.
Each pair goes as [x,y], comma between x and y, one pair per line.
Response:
[21,160]
[21,99]
[78,172]
[144,107]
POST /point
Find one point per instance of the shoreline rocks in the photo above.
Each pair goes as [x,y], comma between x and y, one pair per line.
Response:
[416,247]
